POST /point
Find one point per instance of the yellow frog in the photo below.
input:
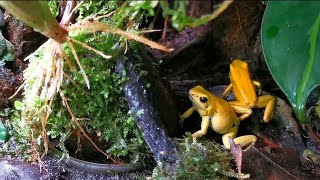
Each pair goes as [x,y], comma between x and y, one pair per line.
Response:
[219,115]
[245,93]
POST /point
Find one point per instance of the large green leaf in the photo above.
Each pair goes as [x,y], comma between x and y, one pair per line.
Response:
[290,42]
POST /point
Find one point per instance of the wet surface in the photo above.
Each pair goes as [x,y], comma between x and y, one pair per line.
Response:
[153,106]
[53,168]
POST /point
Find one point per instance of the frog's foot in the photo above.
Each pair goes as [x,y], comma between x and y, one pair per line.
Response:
[244,141]
[185,115]
[258,85]
[181,120]
[269,102]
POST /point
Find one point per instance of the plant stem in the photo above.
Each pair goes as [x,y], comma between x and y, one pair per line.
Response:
[37,15]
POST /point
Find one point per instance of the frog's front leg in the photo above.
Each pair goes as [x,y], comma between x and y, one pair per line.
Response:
[243,141]
[227,91]
[269,102]
[186,115]
[240,108]
[204,127]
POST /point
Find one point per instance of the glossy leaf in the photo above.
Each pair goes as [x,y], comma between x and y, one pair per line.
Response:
[290,42]
[4,135]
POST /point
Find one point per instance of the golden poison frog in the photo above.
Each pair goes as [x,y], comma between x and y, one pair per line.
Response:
[245,92]
[217,114]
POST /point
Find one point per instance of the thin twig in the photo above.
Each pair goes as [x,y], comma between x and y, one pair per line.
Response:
[73,118]
[104,16]
[150,31]
[165,25]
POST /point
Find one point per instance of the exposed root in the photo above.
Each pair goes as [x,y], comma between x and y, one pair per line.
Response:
[103,16]
[16,92]
[40,85]
[84,45]
[79,147]
[95,26]
[44,81]
[75,119]
[86,79]
[35,154]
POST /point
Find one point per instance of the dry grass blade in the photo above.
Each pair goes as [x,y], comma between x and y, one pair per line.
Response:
[95,26]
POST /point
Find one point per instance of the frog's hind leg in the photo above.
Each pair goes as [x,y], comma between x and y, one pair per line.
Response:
[243,141]
[269,102]
[240,108]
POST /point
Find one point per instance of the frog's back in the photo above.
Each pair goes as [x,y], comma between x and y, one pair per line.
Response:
[243,87]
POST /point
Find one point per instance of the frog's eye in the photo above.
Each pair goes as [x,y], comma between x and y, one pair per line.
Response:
[203,99]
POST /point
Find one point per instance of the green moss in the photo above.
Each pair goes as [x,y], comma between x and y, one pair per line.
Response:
[102,110]
[202,159]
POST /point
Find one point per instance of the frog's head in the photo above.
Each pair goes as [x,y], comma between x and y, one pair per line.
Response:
[199,97]
[238,66]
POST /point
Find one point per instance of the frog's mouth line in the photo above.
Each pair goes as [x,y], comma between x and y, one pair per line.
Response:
[196,104]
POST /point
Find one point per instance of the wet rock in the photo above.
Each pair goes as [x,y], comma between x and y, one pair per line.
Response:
[16,170]
[54,168]
[153,105]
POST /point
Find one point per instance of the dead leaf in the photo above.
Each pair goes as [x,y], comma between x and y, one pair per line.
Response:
[236,151]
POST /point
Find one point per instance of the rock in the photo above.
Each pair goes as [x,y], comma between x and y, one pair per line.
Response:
[152,104]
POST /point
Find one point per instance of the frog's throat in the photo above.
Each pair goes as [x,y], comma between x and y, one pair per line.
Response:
[194,103]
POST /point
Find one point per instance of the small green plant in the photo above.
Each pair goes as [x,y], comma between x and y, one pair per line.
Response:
[7,52]
[180,19]
[202,159]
